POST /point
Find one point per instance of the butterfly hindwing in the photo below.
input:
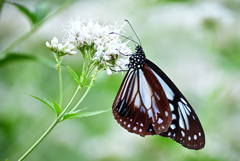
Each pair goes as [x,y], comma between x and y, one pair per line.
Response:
[185,128]
[141,103]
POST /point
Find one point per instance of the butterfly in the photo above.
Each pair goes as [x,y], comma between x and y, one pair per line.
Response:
[149,103]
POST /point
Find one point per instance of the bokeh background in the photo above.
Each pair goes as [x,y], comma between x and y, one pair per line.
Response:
[195,42]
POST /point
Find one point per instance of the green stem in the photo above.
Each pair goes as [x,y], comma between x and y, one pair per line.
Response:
[60,84]
[86,92]
[39,140]
[33,29]
[69,104]
[90,69]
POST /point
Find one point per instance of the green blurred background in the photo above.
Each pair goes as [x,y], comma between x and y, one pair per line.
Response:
[196,43]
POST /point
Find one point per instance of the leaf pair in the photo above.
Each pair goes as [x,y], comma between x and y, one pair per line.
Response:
[52,105]
[71,115]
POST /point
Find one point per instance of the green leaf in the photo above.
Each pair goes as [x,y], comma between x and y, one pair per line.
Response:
[12,57]
[49,102]
[26,11]
[57,108]
[45,102]
[77,111]
[42,9]
[75,76]
[74,115]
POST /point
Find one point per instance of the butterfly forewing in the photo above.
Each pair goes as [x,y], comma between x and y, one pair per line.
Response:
[141,102]
[185,128]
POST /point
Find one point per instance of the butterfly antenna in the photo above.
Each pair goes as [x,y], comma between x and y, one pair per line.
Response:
[134,32]
[127,38]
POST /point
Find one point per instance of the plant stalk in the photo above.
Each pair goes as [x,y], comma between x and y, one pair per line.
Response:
[39,140]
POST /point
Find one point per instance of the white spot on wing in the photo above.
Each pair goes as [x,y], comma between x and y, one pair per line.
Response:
[189,138]
[150,114]
[166,113]
[127,83]
[183,111]
[174,117]
[183,101]
[145,90]
[159,121]
[134,128]
[169,93]
[156,95]
[183,134]
[193,117]
[181,124]
[173,126]
[137,101]
[195,137]
[186,110]
[171,107]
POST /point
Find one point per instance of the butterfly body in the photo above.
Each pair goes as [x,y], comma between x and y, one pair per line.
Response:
[148,103]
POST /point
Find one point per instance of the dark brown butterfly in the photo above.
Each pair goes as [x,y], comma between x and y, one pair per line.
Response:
[148,103]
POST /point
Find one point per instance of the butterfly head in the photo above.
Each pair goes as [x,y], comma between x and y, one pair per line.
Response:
[139,49]
[137,59]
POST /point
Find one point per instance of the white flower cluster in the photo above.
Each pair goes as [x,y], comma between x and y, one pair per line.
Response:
[61,49]
[81,33]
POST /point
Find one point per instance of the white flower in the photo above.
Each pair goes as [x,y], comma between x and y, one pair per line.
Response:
[54,44]
[109,72]
[54,40]
[105,57]
[72,52]
[107,47]
[48,44]
[61,49]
